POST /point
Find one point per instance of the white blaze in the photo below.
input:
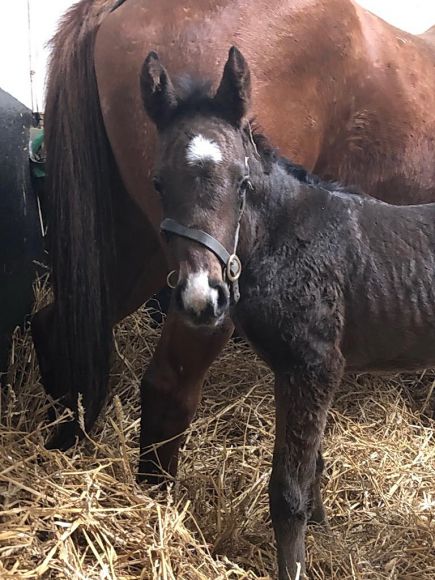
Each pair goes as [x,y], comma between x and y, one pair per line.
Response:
[198,292]
[201,149]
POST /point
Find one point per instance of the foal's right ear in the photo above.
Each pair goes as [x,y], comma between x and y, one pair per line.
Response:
[158,93]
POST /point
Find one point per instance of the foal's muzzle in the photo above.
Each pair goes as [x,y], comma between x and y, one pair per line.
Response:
[200,301]
[232,267]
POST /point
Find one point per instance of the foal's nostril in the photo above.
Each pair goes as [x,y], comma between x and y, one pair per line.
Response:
[222,297]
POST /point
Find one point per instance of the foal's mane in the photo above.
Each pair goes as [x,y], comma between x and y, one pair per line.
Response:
[194,95]
[270,155]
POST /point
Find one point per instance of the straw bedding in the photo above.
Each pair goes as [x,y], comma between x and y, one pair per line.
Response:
[81,515]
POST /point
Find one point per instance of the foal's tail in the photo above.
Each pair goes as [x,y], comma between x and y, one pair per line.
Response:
[80,189]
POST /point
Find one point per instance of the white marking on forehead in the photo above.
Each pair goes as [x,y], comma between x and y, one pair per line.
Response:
[201,149]
[198,292]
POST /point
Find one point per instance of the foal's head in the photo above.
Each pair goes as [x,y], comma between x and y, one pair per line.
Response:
[201,174]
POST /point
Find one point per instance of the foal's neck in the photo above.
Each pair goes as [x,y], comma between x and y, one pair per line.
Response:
[275,197]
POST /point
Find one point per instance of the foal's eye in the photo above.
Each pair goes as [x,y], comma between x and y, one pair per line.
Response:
[157,184]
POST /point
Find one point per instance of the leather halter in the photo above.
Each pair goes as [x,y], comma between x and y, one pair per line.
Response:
[116,5]
[232,267]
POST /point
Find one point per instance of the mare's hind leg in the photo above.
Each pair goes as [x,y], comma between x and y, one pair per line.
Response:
[44,329]
[43,332]
[302,400]
[170,392]
[134,284]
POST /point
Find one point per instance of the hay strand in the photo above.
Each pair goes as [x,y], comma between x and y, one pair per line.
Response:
[81,514]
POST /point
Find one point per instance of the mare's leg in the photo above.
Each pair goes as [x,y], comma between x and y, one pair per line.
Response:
[170,392]
[47,337]
[140,272]
[302,400]
[43,329]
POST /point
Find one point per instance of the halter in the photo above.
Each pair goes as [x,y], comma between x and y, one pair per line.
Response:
[232,266]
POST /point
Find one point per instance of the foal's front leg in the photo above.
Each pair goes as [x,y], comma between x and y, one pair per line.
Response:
[318,515]
[302,400]
[171,390]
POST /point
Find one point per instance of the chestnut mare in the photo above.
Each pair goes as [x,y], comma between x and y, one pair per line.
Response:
[329,280]
[335,88]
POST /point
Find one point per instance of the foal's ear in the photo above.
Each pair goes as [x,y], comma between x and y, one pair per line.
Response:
[158,93]
[234,93]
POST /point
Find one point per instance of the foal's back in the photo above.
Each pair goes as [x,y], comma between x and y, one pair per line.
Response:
[380,259]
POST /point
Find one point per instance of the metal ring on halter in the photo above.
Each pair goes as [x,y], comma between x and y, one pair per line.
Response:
[234,268]
[168,279]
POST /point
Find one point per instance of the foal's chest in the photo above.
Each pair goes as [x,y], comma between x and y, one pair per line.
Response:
[290,314]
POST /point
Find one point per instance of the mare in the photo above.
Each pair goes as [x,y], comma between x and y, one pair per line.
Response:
[336,88]
[320,281]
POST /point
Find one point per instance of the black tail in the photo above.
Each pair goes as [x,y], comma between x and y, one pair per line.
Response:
[80,169]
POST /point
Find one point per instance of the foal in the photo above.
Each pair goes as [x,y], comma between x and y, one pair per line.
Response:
[329,281]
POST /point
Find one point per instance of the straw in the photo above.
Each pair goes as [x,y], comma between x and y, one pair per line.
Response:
[82,515]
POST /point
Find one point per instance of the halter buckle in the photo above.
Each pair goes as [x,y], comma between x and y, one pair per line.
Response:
[233,268]
[169,281]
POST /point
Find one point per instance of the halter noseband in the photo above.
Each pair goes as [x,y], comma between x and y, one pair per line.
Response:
[231,262]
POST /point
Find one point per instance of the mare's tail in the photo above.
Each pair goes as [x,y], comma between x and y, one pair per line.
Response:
[80,182]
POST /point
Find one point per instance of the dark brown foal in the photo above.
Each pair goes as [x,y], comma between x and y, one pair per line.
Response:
[320,280]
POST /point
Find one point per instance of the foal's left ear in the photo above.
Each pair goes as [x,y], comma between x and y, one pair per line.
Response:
[233,96]
[158,93]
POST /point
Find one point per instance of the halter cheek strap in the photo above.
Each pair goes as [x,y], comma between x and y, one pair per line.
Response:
[171,226]
[231,262]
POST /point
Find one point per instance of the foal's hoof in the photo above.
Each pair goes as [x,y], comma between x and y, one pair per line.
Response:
[149,474]
[152,479]
[65,436]
[318,518]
